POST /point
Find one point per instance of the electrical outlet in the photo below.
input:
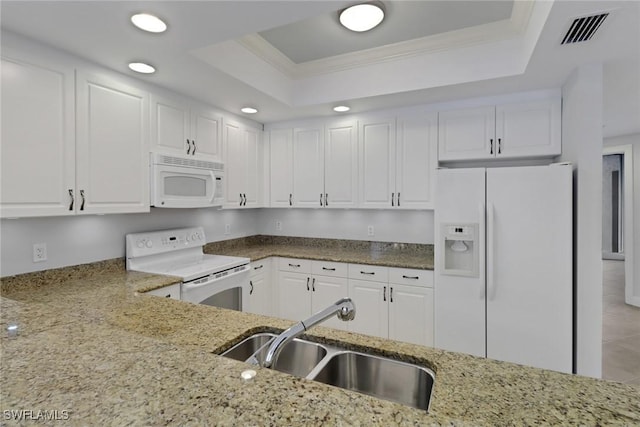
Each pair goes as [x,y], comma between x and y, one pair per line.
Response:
[227,229]
[39,252]
[278,225]
[370,230]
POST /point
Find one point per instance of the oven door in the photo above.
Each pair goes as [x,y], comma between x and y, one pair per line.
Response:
[184,187]
[227,289]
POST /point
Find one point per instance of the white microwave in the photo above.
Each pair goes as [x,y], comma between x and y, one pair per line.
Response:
[182,182]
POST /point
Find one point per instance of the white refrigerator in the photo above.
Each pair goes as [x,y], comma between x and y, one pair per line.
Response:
[503,264]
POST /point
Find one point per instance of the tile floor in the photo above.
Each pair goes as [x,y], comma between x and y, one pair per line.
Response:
[620,328]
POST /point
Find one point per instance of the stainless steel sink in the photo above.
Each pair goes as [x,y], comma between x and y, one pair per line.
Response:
[297,358]
[379,377]
[376,376]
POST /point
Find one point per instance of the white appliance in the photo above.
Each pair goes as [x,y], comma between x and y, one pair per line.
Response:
[503,264]
[221,281]
[184,182]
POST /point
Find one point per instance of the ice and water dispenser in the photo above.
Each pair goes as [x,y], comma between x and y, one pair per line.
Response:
[461,246]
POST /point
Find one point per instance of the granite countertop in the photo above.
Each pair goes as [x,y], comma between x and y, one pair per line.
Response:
[406,255]
[91,344]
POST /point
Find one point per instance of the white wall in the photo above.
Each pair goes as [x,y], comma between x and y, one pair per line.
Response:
[389,226]
[634,141]
[89,238]
[582,145]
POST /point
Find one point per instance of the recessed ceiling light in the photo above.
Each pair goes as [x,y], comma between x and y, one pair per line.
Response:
[141,67]
[148,22]
[249,110]
[341,109]
[362,17]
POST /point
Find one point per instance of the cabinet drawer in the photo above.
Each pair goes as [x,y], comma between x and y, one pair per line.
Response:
[373,273]
[295,264]
[328,268]
[411,277]
[171,291]
[260,267]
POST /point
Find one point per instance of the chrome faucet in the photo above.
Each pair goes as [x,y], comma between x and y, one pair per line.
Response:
[344,308]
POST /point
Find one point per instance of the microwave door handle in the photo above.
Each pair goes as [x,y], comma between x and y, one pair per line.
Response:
[213,179]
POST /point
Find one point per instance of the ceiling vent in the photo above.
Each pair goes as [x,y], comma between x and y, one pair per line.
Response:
[583,29]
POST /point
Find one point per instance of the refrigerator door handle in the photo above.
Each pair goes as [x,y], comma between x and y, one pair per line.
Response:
[482,252]
[491,286]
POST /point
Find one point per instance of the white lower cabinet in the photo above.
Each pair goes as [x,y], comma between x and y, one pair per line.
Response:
[260,289]
[301,293]
[392,310]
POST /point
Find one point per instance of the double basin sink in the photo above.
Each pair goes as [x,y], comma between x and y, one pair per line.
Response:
[376,376]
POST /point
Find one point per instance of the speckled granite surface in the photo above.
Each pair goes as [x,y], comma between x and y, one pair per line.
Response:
[405,255]
[92,345]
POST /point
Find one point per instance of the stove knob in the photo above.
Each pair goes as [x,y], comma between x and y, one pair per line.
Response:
[149,244]
[140,243]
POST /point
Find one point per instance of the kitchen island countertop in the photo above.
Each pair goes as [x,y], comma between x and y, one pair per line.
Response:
[91,344]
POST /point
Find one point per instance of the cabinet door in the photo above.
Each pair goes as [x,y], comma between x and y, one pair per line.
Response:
[112,146]
[528,129]
[326,291]
[308,167]
[253,167]
[206,129]
[281,159]
[377,142]
[38,138]
[169,125]
[411,314]
[294,296]
[341,165]
[416,161]
[235,152]
[372,315]
[466,134]
[259,295]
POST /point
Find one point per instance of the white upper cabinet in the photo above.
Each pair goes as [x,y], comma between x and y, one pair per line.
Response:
[341,165]
[243,165]
[510,131]
[529,129]
[112,147]
[38,138]
[377,147]
[281,165]
[416,161]
[182,128]
[308,167]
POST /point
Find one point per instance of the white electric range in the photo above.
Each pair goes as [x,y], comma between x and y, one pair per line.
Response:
[218,280]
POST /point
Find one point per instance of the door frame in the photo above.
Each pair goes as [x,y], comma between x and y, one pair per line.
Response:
[627,152]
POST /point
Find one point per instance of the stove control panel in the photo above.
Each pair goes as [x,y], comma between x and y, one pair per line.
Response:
[157,242]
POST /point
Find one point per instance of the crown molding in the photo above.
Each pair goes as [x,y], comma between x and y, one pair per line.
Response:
[480,34]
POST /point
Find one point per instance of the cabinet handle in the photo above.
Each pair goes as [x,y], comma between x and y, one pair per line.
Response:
[391,294]
[499,145]
[290,199]
[410,277]
[369,273]
[193,152]
[326,199]
[491,146]
[294,265]
[188,147]
[393,198]
[258,267]
[320,199]
[240,194]
[313,284]
[82,196]
[384,293]
[244,196]
[328,269]
[72,199]
[307,283]
[398,201]
[251,289]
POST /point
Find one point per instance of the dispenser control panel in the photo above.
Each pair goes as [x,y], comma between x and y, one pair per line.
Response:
[461,249]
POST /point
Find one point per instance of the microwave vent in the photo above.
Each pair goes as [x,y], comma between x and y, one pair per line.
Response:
[192,163]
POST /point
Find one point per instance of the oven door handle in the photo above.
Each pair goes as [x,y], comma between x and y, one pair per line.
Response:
[211,280]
